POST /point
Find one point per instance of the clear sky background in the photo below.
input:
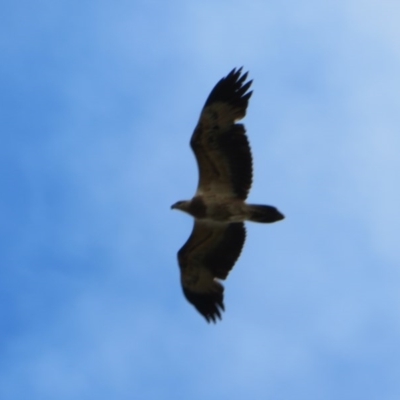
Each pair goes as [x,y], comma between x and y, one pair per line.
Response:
[98,101]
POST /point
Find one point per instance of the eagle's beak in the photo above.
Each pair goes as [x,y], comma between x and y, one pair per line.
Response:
[173,206]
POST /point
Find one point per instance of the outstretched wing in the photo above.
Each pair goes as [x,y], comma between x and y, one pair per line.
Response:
[209,254]
[220,145]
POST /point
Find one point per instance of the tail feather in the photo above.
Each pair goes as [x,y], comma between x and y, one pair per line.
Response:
[261,213]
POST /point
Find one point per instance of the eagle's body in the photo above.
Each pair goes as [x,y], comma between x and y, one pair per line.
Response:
[224,160]
[212,209]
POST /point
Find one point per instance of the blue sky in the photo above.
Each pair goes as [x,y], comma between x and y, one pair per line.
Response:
[98,101]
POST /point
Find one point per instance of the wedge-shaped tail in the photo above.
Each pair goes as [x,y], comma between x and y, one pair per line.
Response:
[265,214]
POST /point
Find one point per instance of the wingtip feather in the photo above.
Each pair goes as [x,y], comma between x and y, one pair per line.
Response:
[231,89]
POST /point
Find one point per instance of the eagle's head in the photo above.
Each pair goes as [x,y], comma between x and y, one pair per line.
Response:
[182,205]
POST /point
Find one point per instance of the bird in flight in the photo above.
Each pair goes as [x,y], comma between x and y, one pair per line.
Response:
[218,207]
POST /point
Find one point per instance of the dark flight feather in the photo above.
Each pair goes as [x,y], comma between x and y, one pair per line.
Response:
[210,252]
[220,145]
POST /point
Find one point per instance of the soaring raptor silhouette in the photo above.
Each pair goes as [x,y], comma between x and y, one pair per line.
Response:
[224,161]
